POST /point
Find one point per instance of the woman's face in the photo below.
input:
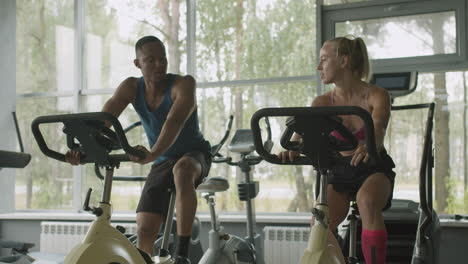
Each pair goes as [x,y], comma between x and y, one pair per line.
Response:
[329,65]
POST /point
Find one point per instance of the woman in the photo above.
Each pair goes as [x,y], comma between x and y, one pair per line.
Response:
[344,62]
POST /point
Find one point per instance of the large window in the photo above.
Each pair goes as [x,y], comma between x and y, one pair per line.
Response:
[282,188]
[112,28]
[339,2]
[246,55]
[44,183]
[405,36]
[423,38]
[254,39]
[45,58]
[405,140]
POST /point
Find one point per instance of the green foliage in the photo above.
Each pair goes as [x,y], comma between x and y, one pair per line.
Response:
[269,36]
[47,182]
[454,205]
[276,39]
[261,45]
[465,202]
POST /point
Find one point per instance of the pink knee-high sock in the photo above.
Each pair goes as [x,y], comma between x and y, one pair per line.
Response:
[374,243]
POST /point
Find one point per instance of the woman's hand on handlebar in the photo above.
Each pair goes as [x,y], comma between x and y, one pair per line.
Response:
[73,157]
[288,155]
[360,154]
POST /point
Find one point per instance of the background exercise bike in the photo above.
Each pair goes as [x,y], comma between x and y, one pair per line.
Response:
[20,251]
[225,248]
[13,159]
[315,124]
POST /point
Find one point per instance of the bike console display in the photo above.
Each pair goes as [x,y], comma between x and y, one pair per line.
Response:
[396,83]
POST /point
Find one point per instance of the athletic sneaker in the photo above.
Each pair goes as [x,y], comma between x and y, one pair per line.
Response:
[181,260]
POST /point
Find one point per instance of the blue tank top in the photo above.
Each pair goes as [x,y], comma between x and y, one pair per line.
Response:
[190,138]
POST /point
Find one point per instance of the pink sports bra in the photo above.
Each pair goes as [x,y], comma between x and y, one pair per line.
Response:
[359,134]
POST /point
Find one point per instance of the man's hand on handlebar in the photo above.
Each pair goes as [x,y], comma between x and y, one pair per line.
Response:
[288,155]
[73,157]
[147,159]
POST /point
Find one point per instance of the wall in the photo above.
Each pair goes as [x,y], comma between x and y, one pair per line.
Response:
[7,95]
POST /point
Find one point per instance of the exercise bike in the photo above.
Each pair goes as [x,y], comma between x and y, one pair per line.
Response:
[315,124]
[19,250]
[103,243]
[18,160]
[226,248]
[99,140]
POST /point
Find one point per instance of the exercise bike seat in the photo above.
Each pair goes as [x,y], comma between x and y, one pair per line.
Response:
[213,184]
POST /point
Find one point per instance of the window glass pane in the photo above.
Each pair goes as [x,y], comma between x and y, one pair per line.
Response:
[282,188]
[258,39]
[125,195]
[404,140]
[457,107]
[338,2]
[45,183]
[405,36]
[45,46]
[114,26]
[404,143]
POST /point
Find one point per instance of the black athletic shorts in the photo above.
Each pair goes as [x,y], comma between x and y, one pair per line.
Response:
[156,192]
[348,179]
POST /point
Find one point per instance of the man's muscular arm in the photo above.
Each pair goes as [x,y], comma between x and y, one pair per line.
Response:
[123,96]
[184,104]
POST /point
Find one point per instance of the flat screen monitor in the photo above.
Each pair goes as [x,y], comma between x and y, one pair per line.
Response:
[396,83]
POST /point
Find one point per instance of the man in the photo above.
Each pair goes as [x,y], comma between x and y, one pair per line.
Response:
[166,104]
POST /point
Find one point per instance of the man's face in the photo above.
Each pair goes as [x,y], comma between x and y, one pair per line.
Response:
[151,60]
[329,63]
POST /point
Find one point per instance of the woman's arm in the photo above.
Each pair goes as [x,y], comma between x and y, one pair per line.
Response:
[381,108]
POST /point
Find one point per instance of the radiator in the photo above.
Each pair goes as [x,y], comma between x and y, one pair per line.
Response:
[61,237]
[285,244]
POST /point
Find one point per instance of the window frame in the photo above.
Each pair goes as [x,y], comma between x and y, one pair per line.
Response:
[80,89]
[395,8]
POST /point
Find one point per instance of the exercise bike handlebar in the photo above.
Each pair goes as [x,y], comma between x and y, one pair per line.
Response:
[97,170]
[305,112]
[214,152]
[93,116]
[215,149]
[249,158]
